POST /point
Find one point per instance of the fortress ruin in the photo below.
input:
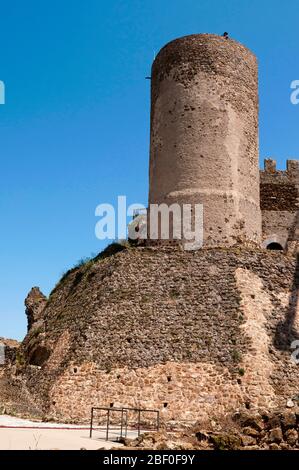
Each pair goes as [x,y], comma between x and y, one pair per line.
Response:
[194,334]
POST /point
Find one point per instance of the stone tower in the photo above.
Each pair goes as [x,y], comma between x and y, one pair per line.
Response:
[204,135]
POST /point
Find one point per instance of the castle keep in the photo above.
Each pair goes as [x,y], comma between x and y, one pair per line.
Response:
[195,334]
[204,135]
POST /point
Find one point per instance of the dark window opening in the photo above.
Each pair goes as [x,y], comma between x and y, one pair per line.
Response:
[274,246]
[39,355]
[165,405]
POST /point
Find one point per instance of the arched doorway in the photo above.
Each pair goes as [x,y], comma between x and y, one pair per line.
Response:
[274,246]
[274,242]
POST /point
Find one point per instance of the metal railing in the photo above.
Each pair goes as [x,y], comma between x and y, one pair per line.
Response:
[124,414]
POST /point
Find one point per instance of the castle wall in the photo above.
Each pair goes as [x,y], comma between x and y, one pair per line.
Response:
[279,203]
[194,334]
[204,135]
[10,350]
[189,333]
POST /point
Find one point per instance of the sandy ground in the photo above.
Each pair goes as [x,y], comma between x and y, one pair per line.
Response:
[53,438]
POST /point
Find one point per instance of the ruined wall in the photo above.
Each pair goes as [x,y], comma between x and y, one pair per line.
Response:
[35,303]
[11,347]
[280,203]
[13,394]
[193,334]
[204,135]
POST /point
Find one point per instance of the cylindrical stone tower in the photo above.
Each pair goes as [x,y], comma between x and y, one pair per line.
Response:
[204,135]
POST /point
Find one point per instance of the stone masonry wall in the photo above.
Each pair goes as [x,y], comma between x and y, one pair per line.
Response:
[204,135]
[193,334]
[279,203]
[10,350]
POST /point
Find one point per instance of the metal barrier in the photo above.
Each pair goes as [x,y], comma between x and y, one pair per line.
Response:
[124,413]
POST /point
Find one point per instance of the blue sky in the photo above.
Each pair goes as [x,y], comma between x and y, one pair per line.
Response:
[75,127]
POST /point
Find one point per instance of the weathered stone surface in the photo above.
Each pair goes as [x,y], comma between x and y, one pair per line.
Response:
[290,403]
[232,437]
[226,441]
[11,347]
[274,422]
[275,435]
[288,420]
[35,303]
[274,446]
[291,436]
[248,441]
[204,123]
[251,422]
[279,204]
[251,432]
[192,334]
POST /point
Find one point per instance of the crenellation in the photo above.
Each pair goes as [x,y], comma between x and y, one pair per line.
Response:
[293,170]
[270,170]
[269,165]
[279,196]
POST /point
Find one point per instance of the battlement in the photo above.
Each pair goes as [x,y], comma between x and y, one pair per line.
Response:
[279,201]
[279,189]
[271,173]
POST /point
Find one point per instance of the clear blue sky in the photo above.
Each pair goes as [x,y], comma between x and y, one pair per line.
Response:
[75,127]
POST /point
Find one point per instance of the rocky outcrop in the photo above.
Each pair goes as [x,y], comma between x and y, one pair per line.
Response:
[35,303]
[241,431]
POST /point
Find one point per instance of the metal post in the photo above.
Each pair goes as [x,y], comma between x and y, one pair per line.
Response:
[126,432]
[108,424]
[121,423]
[139,413]
[91,423]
